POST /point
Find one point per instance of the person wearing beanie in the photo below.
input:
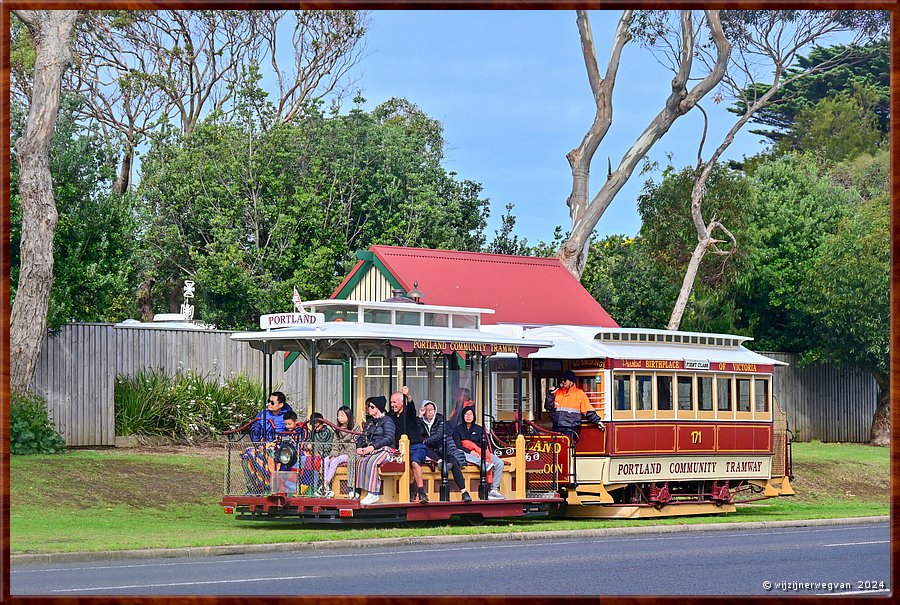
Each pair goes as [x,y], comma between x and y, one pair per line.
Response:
[373,448]
[568,404]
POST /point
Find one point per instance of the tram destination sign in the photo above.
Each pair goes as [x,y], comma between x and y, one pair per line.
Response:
[291,320]
[669,468]
[447,347]
[688,364]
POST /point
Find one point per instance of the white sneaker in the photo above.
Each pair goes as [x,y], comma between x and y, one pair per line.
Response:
[351,494]
[495,495]
[372,498]
[328,493]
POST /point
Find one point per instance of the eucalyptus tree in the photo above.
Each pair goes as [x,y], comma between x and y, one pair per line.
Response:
[138,69]
[675,36]
[51,31]
[767,44]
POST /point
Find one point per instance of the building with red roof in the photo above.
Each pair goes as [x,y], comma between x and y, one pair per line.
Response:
[521,289]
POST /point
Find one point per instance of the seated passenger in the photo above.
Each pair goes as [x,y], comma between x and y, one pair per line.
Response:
[470,437]
[403,413]
[264,428]
[373,448]
[344,449]
[316,446]
[259,461]
[436,434]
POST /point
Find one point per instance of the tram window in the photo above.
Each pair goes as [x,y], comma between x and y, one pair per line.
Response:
[677,338]
[694,340]
[376,316]
[409,318]
[743,392]
[340,313]
[464,321]
[668,338]
[762,395]
[622,387]
[438,320]
[704,393]
[663,392]
[634,337]
[644,387]
[685,393]
[723,394]
[643,337]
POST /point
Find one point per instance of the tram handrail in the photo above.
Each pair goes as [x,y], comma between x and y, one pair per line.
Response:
[539,428]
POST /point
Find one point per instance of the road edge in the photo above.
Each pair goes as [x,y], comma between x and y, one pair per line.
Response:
[280,547]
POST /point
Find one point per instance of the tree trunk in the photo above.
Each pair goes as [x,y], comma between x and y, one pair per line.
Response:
[51,31]
[123,182]
[687,285]
[585,214]
[145,301]
[881,423]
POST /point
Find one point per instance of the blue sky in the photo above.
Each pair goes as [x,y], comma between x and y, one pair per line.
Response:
[511,90]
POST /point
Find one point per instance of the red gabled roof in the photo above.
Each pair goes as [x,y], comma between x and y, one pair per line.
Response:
[522,289]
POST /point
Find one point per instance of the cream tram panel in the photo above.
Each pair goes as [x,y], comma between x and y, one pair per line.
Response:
[686,468]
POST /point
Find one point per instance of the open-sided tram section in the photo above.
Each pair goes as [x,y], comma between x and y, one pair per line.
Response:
[691,426]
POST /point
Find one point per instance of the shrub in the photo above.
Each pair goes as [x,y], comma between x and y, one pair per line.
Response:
[186,406]
[30,429]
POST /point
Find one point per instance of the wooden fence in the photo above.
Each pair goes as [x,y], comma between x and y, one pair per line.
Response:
[78,365]
[825,402]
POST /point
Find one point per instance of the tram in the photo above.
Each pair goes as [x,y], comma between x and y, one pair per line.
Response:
[691,426]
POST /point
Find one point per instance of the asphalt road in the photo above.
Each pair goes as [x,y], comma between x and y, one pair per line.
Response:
[840,559]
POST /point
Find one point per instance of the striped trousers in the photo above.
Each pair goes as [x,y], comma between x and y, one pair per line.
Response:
[366,475]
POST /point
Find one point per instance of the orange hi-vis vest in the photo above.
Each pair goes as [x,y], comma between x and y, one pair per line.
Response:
[572,400]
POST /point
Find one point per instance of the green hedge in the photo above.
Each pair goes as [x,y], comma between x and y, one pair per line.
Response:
[30,429]
[186,406]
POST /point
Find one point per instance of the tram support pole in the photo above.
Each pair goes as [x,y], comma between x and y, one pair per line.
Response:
[482,485]
[519,396]
[314,366]
[445,485]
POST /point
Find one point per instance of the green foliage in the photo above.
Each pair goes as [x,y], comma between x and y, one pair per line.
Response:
[30,429]
[794,210]
[668,231]
[95,245]
[841,127]
[848,290]
[622,275]
[868,175]
[186,406]
[505,240]
[868,65]
[249,210]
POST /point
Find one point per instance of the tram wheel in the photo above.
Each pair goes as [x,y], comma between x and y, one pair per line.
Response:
[473,520]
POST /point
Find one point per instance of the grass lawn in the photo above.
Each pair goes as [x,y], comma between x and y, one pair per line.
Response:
[115,499]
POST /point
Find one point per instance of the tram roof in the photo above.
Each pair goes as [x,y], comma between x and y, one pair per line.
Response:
[580,342]
[296,338]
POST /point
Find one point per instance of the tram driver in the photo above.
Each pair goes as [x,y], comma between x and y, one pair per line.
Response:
[568,403]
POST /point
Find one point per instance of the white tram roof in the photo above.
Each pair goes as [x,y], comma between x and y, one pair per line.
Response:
[347,330]
[585,342]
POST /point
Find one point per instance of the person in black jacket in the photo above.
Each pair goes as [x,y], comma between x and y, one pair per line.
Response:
[403,413]
[434,431]
[373,448]
[469,437]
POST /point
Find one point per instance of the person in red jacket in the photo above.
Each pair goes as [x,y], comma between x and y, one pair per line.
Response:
[568,404]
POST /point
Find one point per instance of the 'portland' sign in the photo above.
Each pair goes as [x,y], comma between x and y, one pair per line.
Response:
[291,320]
